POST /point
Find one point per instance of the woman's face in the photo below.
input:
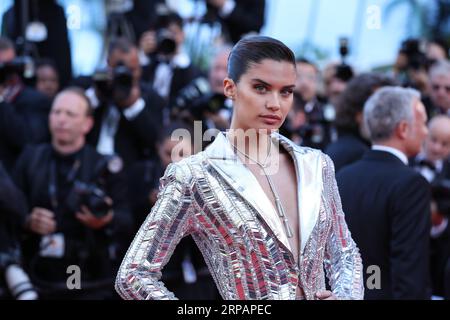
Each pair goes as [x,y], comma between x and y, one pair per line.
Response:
[263,95]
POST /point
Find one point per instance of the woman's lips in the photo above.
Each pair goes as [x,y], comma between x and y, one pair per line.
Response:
[271,119]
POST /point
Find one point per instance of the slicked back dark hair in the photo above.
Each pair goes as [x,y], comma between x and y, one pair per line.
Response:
[252,50]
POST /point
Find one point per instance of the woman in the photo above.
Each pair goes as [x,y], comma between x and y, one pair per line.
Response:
[264,212]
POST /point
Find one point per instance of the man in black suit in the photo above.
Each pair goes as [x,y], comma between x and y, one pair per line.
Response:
[387,204]
[167,68]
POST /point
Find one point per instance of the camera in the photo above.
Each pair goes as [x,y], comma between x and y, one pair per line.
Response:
[116,84]
[166,44]
[89,195]
[14,67]
[344,72]
[198,88]
[19,284]
[414,51]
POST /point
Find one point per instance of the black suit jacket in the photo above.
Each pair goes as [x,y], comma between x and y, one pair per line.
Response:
[387,207]
[180,79]
[135,139]
[247,16]
[346,150]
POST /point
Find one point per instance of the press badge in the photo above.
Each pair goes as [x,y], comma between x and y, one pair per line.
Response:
[52,246]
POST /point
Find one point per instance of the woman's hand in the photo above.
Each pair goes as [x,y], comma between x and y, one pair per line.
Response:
[326,295]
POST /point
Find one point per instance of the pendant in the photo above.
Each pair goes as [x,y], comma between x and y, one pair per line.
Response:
[282,215]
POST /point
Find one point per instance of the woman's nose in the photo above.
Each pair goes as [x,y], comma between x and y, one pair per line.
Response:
[273,102]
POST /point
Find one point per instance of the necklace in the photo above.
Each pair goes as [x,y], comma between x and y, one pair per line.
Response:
[279,205]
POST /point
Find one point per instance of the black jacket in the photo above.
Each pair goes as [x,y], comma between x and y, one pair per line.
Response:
[57,45]
[181,77]
[34,108]
[135,139]
[347,149]
[387,207]
[13,135]
[32,175]
[247,16]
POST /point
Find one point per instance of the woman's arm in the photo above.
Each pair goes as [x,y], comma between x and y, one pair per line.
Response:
[165,226]
[342,258]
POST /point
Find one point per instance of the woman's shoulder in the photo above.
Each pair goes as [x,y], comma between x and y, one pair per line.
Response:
[183,170]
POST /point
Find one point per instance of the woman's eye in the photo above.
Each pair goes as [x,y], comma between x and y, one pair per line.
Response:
[287,92]
[260,89]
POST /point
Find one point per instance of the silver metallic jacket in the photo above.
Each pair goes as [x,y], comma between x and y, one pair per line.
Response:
[216,199]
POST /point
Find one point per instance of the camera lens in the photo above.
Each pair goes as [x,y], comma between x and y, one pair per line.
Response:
[19,284]
[166,43]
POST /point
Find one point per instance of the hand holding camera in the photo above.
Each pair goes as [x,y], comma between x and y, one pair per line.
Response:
[92,221]
[41,221]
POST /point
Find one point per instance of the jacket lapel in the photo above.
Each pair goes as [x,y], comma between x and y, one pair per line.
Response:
[222,157]
[308,166]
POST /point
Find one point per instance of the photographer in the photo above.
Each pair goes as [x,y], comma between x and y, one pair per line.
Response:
[317,132]
[44,25]
[203,99]
[169,68]
[32,106]
[411,65]
[235,17]
[434,164]
[127,113]
[78,213]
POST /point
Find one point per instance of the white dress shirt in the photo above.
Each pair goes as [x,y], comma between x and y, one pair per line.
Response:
[392,151]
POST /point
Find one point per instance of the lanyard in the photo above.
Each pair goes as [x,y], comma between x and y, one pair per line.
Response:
[53,185]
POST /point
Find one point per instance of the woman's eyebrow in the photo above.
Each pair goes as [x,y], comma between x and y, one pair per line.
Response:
[269,85]
[262,81]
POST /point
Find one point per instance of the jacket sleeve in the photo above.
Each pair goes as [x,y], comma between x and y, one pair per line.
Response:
[167,223]
[343,262]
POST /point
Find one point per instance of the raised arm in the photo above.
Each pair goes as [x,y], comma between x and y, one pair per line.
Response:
[167,223]
[342,258]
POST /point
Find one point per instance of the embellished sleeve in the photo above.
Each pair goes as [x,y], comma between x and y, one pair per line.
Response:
[167,223]
[343,262]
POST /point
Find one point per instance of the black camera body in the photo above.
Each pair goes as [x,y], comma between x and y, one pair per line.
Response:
[14,67]
[89,195]
[115,84]
[166,44]
[415,54]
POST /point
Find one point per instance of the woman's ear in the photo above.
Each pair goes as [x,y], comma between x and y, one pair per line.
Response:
[229,88]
